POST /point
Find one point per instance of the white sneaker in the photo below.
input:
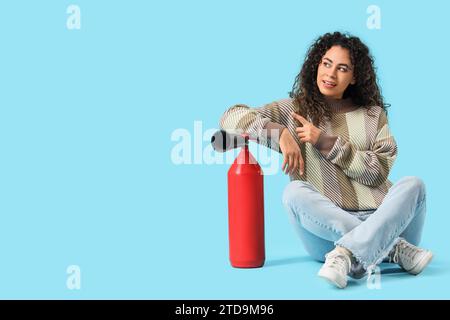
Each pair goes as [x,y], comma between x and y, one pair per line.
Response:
[411,258]
[336,268]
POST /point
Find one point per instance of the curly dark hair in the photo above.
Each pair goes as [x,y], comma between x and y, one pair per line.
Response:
[365,92]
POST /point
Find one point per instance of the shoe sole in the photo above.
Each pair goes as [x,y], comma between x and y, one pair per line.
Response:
[420,266]
[332,279]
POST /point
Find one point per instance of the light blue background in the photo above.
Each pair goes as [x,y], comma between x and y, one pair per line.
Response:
[86,118]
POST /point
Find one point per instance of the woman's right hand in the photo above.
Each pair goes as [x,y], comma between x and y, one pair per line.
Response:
[292,155]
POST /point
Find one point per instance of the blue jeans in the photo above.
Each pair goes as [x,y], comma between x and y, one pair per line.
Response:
[369,235]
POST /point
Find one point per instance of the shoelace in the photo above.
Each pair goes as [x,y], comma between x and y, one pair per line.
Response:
[404,248]
[338,261]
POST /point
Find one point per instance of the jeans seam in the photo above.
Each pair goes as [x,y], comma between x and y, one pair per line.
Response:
[321,224]
[421,202]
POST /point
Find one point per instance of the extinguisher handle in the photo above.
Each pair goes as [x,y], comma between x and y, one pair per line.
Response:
[222,140]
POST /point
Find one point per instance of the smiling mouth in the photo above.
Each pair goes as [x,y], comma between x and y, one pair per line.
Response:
[328,84]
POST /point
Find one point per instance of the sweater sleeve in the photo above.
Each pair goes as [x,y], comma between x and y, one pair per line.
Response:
[369,167]
[264,122]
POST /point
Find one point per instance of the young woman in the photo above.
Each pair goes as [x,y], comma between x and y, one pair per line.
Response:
[338,150]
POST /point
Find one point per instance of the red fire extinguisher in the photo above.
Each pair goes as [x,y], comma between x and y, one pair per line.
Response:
[245,203]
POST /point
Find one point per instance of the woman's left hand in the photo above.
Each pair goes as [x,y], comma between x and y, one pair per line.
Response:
[308,132]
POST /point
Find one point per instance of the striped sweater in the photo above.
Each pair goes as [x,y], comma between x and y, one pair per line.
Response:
[352,158]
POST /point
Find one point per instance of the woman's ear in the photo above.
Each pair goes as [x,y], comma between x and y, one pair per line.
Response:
[353,81]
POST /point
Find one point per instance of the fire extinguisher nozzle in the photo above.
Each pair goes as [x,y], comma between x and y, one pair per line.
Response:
[222,140]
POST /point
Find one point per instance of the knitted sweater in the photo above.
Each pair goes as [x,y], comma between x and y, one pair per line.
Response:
[352,158]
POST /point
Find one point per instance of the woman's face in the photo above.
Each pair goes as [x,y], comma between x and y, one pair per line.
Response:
[335,72]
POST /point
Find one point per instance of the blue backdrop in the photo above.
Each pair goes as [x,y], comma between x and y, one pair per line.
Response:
[89,119]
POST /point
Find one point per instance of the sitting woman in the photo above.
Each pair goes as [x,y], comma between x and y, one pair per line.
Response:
[337,147]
